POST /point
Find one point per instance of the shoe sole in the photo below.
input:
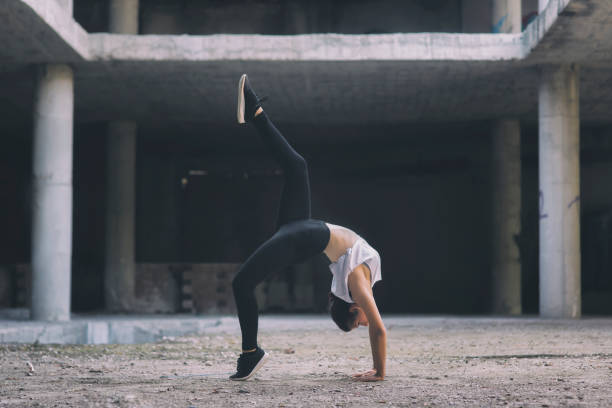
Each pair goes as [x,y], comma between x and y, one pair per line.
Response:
[257,367]
[240,112]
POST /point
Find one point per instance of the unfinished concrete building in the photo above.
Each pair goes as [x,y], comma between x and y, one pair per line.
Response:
[469,141]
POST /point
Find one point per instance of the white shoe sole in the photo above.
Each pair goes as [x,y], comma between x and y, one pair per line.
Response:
[240,112]
[257,367]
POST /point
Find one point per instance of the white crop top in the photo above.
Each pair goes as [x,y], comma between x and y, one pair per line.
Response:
[360,252]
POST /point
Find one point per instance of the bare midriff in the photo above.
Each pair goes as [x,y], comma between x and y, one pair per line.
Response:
[340,240]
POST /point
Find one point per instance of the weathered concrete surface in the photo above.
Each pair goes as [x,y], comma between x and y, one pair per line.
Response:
[68,5]
[111,329]
[572,31]
[308,47]
[401,77]
[306,92]
[40,31]
[559,181]
[44,31]
[52,193]
[506,189]
[119,267]
[431,361]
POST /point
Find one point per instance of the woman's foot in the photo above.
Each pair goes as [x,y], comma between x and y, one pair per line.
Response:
[249,363]
[249,104]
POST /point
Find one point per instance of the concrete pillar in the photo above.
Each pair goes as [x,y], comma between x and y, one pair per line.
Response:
[506,174]
[123,16]
[559,161]
[120,176]
[52,194]
[506,16]
[506,186]
[542,5]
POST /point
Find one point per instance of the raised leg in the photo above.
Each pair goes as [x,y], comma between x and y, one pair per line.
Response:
[295,198]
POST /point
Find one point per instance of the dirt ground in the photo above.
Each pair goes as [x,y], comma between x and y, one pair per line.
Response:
[431,362]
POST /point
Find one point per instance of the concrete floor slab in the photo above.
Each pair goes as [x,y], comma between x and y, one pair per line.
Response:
[431,361]
[137,329]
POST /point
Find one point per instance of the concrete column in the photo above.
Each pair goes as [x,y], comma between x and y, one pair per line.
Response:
[506,16]
[52,194]
[542,5]
[559,161]
[120,176]
[123,16]
[506,186]
[506,174]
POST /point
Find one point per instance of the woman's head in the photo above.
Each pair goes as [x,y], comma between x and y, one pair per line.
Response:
[346,315]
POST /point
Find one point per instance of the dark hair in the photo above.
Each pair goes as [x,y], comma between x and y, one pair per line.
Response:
[340,313]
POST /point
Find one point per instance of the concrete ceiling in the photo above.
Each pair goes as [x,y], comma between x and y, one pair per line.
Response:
[39,31]
[327,79]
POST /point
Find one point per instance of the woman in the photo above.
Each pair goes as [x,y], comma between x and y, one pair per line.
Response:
[355,265]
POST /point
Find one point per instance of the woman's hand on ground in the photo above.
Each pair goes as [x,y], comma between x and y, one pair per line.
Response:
[370,375]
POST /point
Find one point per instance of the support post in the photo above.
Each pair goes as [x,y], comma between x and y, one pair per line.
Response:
[119,275]
[506,16]
[506,143]
[52,193]
[120,175]
[506,173]
[123,16]
[559,174]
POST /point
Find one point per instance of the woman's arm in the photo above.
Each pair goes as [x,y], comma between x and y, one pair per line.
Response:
[361,291]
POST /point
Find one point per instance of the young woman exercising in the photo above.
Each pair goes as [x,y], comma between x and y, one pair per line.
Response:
[355,265]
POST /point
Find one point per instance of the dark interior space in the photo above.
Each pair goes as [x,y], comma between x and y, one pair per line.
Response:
[418,192]
[275,17]
[421,200]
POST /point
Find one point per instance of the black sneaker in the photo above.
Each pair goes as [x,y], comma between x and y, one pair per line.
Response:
[248,102]
[249,363]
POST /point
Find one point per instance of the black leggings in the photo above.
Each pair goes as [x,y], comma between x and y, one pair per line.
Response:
[298,236]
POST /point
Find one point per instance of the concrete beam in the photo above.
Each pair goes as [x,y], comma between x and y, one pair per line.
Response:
[559,161]
[311,47]
[52,194]
[583,23]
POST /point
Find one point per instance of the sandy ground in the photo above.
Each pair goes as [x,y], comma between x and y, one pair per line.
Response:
[431,362]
